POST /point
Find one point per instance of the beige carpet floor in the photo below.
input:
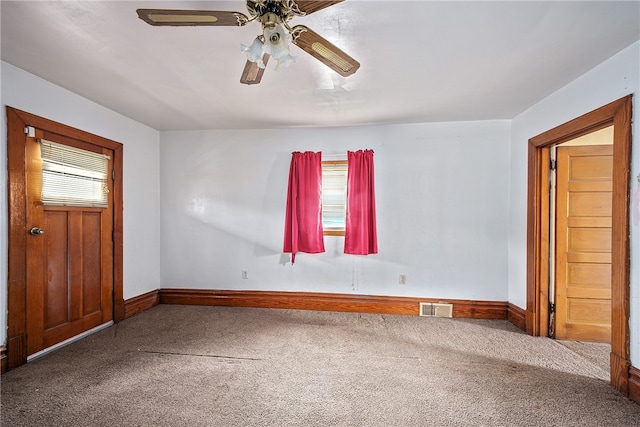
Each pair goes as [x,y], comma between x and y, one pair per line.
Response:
[220,366]
[596,353]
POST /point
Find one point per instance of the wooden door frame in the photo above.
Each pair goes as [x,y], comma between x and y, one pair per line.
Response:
[17,121]
[618,114]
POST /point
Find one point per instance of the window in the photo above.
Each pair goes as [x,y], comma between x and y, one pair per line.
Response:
[334,197]
[319,194]
[72,176]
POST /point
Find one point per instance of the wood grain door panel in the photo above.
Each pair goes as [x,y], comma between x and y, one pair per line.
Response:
[56,304]
[595,240]
[73,298]
[583,243]
[590,204]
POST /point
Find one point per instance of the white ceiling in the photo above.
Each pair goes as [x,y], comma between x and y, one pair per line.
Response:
[422,61]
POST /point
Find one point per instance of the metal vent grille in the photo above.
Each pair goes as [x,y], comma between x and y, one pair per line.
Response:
[428,309]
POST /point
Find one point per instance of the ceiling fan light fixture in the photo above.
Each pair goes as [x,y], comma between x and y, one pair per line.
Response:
[255,51]
[276,41]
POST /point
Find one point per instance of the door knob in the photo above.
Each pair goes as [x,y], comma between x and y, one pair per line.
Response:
[35,231]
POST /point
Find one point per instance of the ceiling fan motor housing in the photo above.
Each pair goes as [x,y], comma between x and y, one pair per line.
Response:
[269,6]
[272,12]
[270,20]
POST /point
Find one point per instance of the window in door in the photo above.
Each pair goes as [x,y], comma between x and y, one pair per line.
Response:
[72,176]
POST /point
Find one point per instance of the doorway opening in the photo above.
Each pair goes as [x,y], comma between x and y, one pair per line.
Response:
[618,115]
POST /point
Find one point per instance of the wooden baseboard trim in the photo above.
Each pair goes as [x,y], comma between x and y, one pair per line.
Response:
[16,351]
[118,310]
[620,373]
[3,359]
[143,302]
[634,384]
[517,316]
[329,302]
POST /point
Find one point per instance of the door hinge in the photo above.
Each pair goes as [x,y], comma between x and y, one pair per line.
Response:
[552,308]
[552,164]
[113,174]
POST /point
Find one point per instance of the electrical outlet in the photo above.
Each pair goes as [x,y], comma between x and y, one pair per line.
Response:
[245,274]
[403,279]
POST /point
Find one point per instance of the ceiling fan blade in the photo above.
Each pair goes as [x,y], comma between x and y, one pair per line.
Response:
[252,74]
[310,6]
[324,51]
[184,18]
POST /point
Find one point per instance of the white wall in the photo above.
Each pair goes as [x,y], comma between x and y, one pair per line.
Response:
[29,93]
[451,198]
[613,79]
[442,203]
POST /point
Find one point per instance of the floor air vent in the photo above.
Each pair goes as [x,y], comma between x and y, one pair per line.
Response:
[429,309]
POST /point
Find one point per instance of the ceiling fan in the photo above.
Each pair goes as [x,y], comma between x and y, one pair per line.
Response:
[274,16]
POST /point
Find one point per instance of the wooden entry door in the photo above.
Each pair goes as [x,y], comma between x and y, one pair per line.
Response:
[20,264]
[583,243]
[70,265]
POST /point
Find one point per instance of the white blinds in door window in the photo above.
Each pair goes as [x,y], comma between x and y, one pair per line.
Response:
[72,176]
